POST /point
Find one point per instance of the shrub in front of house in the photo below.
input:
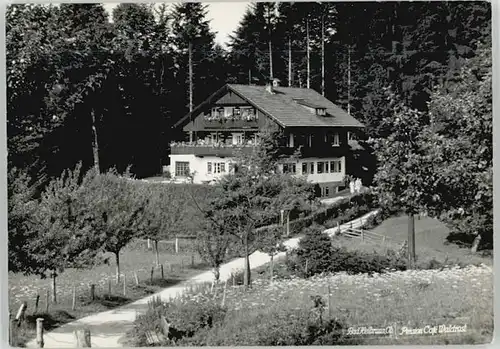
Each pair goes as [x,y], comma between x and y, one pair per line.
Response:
[187,316]
[275,327]
[314,252]
[322,257]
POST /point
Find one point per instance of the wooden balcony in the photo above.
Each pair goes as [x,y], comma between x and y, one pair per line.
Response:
[223,150]
[230,124]
[318,151]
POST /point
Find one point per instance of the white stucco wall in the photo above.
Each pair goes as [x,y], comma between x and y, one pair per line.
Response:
[198,166]
[321,177]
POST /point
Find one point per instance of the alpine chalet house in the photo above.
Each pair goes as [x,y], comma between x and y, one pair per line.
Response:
[232,117]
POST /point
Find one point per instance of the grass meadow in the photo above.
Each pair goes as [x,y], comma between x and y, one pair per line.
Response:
[459,292]
[134,258]
[412,299]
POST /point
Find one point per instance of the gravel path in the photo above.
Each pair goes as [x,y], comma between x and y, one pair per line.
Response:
[108,328]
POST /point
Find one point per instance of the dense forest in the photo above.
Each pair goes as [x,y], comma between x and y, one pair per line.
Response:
[105,91]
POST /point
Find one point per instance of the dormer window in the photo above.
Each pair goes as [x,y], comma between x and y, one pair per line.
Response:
[321,111]
[312,107]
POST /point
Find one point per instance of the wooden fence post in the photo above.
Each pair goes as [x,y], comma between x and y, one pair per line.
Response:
[288,224]
[92,292]
[307,261]
[192,260]
[109,287]
[224,295]
[329,304]
[82,338]
[11,331]
[73,305]
[176,245]
[21,313]
[234,279]
[165,326]
[39,332]
[124,285]
[152,273]
[47,300]
[338,228]
[162,274]
[37,300]
[136,279]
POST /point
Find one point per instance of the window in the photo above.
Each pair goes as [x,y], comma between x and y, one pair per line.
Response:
[219,167]
[237,138]
[228,111]
[327,191]
[209,167]
[326,167]
[335,166]
[321,111]
[320,167]
[289,168]
[351,136]
[336,139]
[290,142]
[312,167]
[304,167]
[309,140]
[181,169]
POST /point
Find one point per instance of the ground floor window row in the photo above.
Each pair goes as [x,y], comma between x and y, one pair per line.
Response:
[319,167]
[312,167]
[216,167]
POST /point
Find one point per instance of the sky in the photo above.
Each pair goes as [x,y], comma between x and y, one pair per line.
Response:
[224,17]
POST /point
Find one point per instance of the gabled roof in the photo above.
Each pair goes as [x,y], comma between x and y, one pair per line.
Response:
[281,106]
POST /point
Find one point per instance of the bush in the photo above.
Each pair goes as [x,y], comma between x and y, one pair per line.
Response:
[314,251]
[271,328]
[187,316]
[340,259]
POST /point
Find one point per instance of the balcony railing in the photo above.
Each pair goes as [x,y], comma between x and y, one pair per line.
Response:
[205,148]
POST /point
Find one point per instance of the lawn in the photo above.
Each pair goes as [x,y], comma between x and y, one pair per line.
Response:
[412,299]
[134,258]
[430,240]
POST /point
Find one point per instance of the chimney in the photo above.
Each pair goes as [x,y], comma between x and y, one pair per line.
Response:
[271,84]
[269,87]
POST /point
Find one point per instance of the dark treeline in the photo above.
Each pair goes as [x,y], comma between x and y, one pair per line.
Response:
[84,88]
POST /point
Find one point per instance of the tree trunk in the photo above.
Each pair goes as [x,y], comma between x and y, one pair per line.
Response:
[157,253]
[249,76]
[289,62]
[190,48]
[217,273]
[349,80]
[323,55]
[117,258]
[270,60]
[411,241]
[272,267]
[247,276]
[95,144]
[54,289]
[308,56]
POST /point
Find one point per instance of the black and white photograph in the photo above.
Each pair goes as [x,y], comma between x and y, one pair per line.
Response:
[249,173]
